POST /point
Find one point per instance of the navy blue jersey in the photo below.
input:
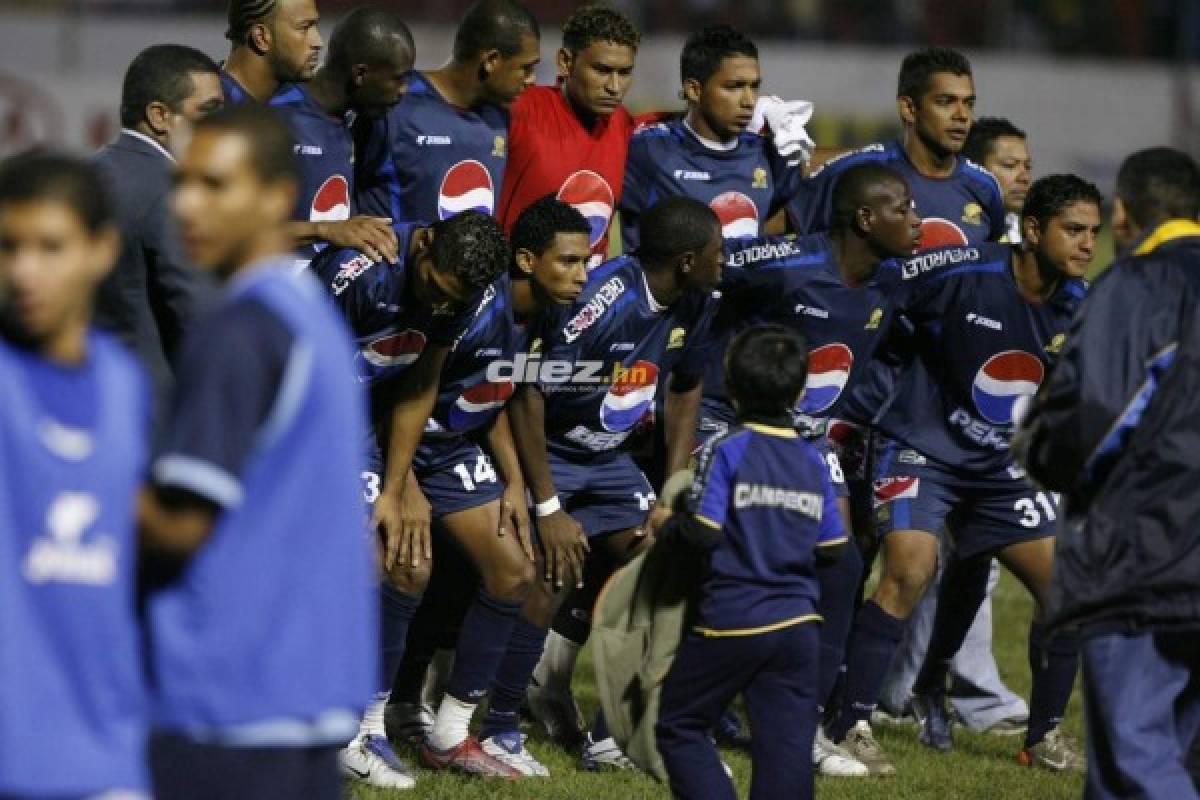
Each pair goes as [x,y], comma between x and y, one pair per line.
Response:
[324,150]
[390,324]
[964,208]
[605,357]
[744,185]
[426,159]
[979,345]
[768,492]
[472,391]
[795,282]
[287,558]
[72,455]
[235,93]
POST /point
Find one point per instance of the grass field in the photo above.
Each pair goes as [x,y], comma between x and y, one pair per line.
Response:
[979,767]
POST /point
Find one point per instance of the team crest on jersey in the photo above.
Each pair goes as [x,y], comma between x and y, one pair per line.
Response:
[828,372]
[395,349]
[972,214]
[1056,344]
[874,320]
[737,213]
[498,147]
[938,232]
[1001,380]
[477,404]
[592,197]
[896,488]
[466,186]
[331,203]
[62,555]
[759,179]
[604,297]
[676,339]
[630,396]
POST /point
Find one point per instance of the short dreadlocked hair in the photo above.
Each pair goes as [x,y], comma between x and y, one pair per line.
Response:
[245,14]
[471,245]
[598,23]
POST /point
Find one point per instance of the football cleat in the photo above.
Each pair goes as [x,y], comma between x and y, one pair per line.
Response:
[1057,752]
[833,761]
[934,720]
[468,758]
[861,745]
[369,758]
[604,756]
[558,714]
[509,748]
[408,722]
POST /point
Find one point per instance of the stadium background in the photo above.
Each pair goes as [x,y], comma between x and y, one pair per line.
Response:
[1090,80]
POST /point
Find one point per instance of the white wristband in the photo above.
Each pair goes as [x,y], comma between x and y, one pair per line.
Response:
[547,507]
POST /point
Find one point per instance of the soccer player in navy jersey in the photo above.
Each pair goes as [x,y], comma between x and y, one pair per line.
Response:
[959,203]
[709,154]
[602,362]
[763,512]
[839,290]
[263,626]
[73,437]
[406,317]
[365,72]
[443,149]
[989,321]
[1002,149]
[272,42]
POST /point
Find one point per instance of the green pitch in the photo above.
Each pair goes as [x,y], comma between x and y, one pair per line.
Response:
[979,767]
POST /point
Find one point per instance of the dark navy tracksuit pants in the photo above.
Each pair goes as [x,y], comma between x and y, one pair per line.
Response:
[776,674]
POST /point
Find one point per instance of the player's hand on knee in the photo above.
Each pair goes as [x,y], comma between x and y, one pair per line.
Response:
[415,517]
[565,547]
[514,518]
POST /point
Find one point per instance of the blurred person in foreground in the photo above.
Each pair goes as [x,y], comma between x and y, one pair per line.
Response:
[263,618]
[1114,430]
[72,448]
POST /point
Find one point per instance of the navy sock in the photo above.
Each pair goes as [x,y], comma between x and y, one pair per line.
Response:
[839,582]
[481,645]
[600,730]
[512,678]
[397,611]
[873,644]
[964,587]
[1053,665]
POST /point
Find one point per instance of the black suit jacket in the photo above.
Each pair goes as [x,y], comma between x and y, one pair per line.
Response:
[152,294]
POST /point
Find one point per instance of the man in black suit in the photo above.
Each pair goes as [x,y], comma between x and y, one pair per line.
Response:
[152,294]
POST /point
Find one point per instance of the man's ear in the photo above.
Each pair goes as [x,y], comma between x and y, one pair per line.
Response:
[691,91]
[906,108]
[563,61]
[158,117]
[864,219]
[524,259]
[358,75]
[259,38]
[422,239]
[685,261]
[489,62]
[1031,231]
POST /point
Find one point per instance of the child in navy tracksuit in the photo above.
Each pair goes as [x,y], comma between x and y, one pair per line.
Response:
[763,509]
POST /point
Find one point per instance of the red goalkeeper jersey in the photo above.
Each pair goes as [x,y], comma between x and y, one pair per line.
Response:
[551,151]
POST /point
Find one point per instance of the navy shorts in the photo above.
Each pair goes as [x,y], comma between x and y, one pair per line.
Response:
[983,513]
[454,473]
[605,494]
[711,426]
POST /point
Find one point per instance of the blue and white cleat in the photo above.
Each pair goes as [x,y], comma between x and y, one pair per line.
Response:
[934,720]
[509,748]
[369,758]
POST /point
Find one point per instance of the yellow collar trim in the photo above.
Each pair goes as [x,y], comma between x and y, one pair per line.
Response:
[771,430]
[1171,229]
